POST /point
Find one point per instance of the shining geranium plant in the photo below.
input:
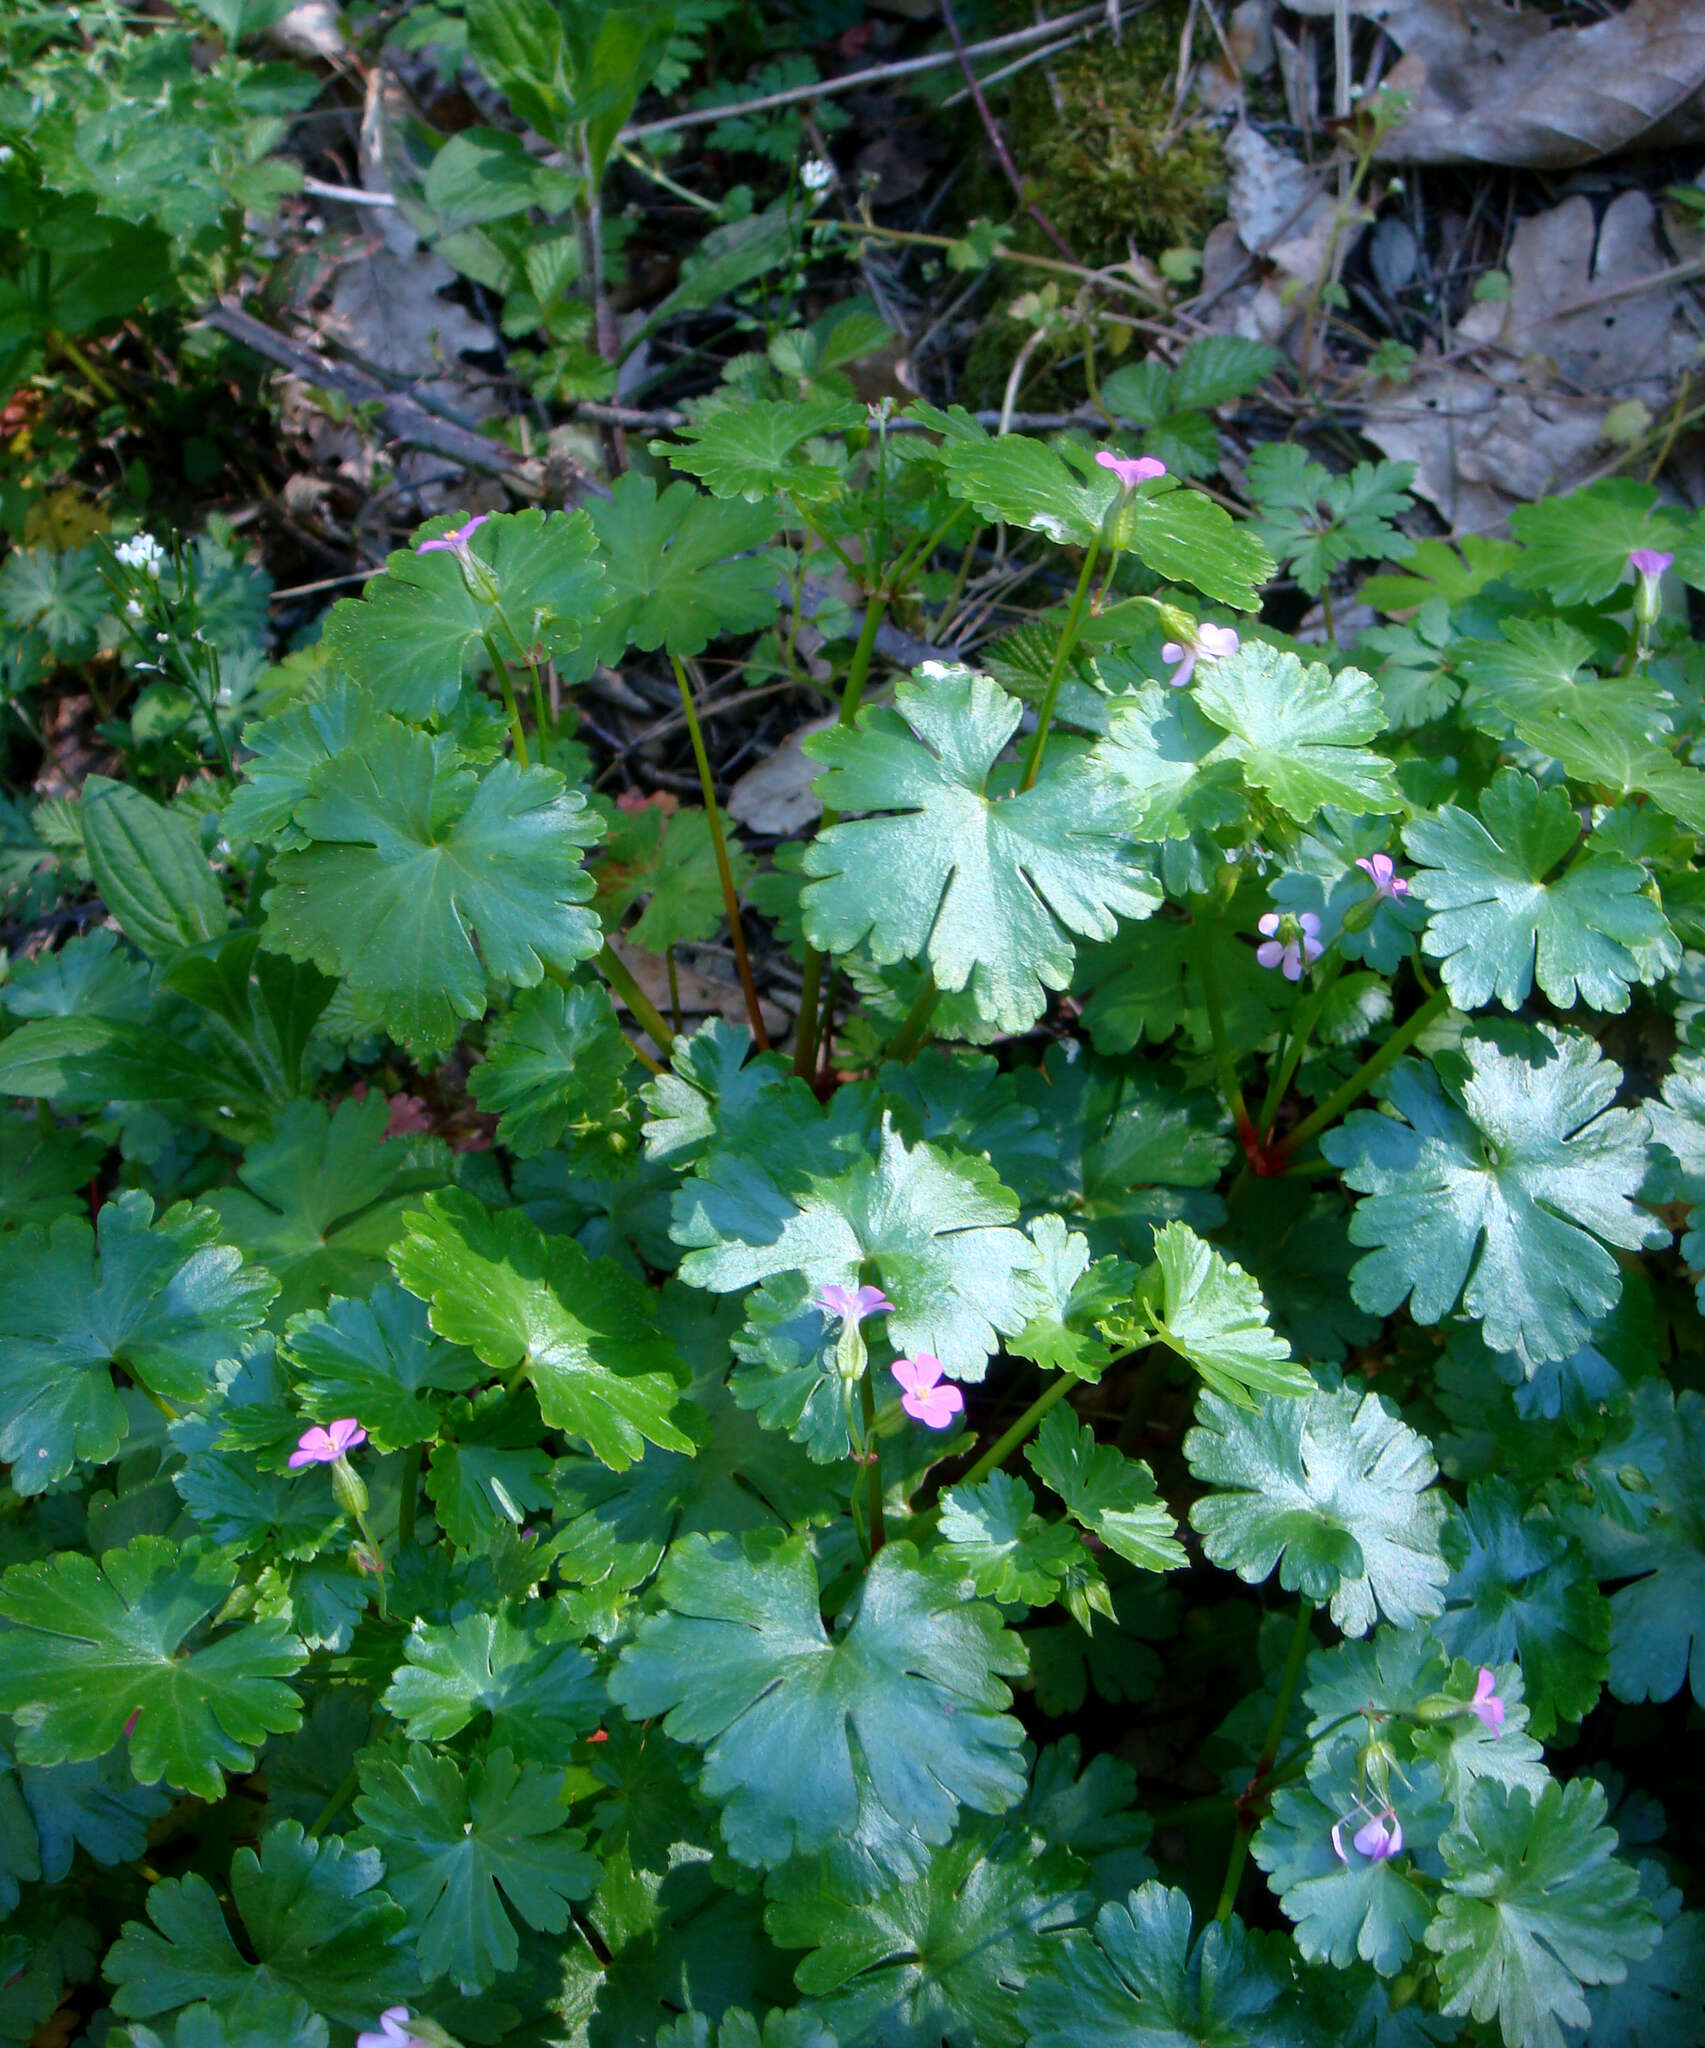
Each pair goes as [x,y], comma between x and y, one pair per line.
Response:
[1114,1456]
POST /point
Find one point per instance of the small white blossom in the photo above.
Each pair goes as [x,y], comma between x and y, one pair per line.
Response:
[816,174]
[6,152]
[142,551]
[132,610]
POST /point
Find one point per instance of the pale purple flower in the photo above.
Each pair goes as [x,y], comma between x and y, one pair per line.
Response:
[325,1446]
[925,1398]
[1131,470]
[453,543]
[392,2031]
[1207,643]
[852,1304]
[1378,1839]
[1387,882]
[1649,565]
[1486,1703]
[1290,952]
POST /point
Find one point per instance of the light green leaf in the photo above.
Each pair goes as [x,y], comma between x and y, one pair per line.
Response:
[992,1534]
[988,889]
[1112,1496]
[579,1329]
[754,450]
[422,625]
[1332,1488]
[160,1299]
[1508,1203]
[933,1231]
[1577,547]
[1537,1906]
[527,1692]
[314,1924]
[740,1665]
[1210,1311]
[454,1837]
[379,1360]
[95,1647]
[1298,733]
[420,884]
[557,1062]
[1497,919]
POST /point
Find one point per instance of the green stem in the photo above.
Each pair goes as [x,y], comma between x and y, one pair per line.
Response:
[506,684]
[1246,1822]
[1303,1020]
[345,1792]
[1367,1073]
[1062,654]
[541,712]
[840,554]
[1202,947]
[65,346]
[1003,1446]
[408,1499]
[872,1466]
[852,695]
[895,580]
[645,1011]
[915,1029]
[719,847]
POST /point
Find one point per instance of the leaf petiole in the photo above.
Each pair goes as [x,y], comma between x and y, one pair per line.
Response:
[1253,1791]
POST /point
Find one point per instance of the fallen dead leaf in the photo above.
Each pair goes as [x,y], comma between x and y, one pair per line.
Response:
[702,994]
[1501,85]
[1529,417]
[776,798]
[310,29]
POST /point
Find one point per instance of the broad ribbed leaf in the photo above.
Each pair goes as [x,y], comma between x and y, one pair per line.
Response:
[579,1328]
[989,889]
[1509,1203]
[739,1663]
[1298,733]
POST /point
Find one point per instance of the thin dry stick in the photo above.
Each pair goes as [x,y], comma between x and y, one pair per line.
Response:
[991,128]
[1018,64]
[875,74]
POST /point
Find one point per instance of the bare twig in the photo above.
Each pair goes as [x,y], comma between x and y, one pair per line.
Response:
[402,416]
[875,74]
[997,141]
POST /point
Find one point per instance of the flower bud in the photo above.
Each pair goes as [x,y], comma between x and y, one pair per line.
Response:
[348,1487]
[1439,1706]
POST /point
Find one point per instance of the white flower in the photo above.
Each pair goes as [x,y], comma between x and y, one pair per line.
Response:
[816,174]
[6,152]
[392,2031]
[132,609]
[142,551]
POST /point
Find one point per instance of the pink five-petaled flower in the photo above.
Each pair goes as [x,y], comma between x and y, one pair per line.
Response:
[1207,643]
[1387,882]
[925,1398]
[325,1446]
[392,2031]
[1378,1839]
[1649,565]
[1486,1703]
[852,1304]
[1289,942]
[453,543]
[1131,470]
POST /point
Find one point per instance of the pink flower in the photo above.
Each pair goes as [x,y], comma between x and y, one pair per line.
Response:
[1290,942]
[392,2031]
[1486,1702]
[1387,882]
[1131,470]
[325,1446]
[852,1304]
[925,1399]
[1378,1839]
[453,543]
[1649,562]
[1207,643]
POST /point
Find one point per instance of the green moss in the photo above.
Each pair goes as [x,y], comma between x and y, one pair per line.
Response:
[1108,166]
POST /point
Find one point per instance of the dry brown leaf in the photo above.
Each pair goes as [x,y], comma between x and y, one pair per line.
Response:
[775,798]
[1500,85]
[1528,417]
[702,995]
